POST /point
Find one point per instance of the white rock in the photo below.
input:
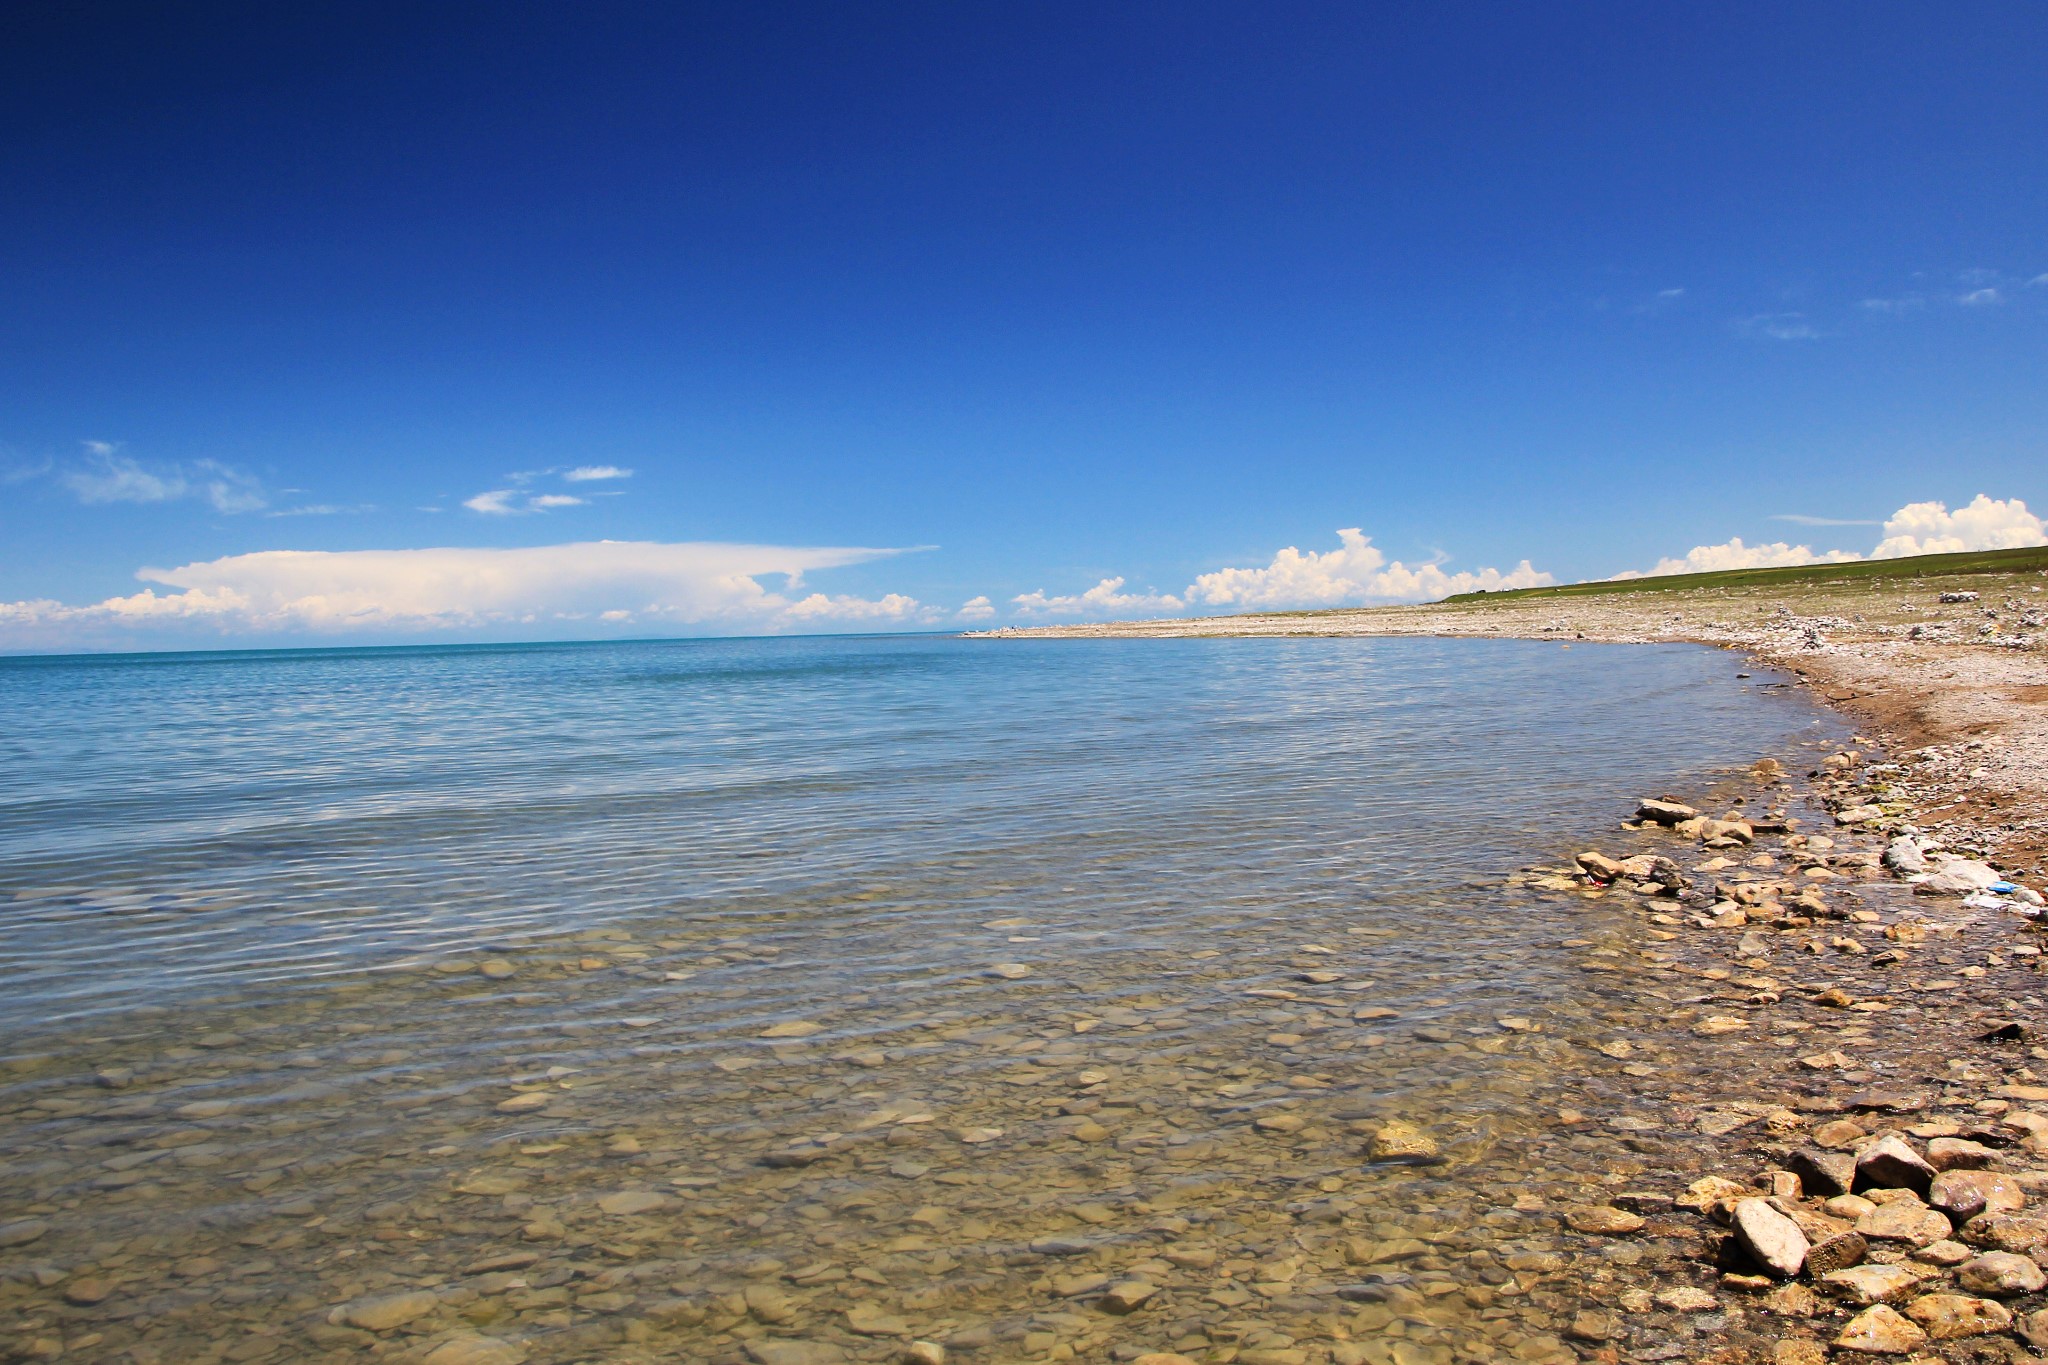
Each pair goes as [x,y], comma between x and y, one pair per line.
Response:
[1772,1238]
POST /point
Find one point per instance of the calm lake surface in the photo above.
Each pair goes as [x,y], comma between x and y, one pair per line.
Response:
[334,976]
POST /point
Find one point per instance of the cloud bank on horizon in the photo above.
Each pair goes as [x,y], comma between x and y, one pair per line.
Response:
[596,584]
[1918,528]
[1356,572]
[609,587]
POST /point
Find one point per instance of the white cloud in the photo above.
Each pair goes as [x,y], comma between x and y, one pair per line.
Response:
[1978,298]
[496,503]
[541,589]
[512,502]
[1104,599]
[1918,528]
[977,609]
[2037,282]
[591,472]
[1734,554]
[1985,523]
[1355,572]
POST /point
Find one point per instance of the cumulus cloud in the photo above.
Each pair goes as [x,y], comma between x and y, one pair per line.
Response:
[977,609]
[1918,528]
[1733,554]
[1984,523]
[109,476]
[541,589]
[591,473]
[1355,573]
[1104,599]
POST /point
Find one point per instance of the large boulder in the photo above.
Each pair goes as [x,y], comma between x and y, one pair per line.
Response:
[1774,1240]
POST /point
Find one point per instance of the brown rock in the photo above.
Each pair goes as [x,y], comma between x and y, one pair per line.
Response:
[2003,1273]
[1948,1316]
[390,1311]
[1967,1193]
[1839,1252]
[1889,1163]
[1880,1331]
[1867,1284]
[1602,1220]
[2005,1232]
[1821,1172]
[1798,1351]
[1904,1220]
[1839,1133]
[1959,1154]
[1774,1240]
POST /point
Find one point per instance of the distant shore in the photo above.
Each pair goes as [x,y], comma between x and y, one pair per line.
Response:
[1957,690]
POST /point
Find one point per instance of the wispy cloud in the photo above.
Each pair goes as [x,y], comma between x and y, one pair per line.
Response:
[590,473]
[1981,298]
[1779,327]
[1801,519]
[512,502]
[549,589]
[107,476]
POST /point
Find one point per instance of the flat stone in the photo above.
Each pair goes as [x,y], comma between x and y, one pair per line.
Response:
[22,1231]
[86,1290]
[1948,1316]
[766,1303]
[476,1350]
[1686,1299]
[390,1311]
[870,1321]
[1943,1253]
[1773,1239]
[1904,1220]
[632,1201]
[792,1028]
[1798,1351]
[1127,1296]
[1602,1220]
[1665,812]
[2001,1272]
[1880,1331]
[1889,1163]
[1868,1284]
[794,1353]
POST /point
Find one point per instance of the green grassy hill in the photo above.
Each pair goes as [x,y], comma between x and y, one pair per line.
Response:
[2032,560]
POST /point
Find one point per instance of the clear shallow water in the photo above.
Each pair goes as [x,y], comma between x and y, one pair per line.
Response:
[175,824]
[356,973]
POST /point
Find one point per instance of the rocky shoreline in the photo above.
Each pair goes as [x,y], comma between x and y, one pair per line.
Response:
[1883,1197]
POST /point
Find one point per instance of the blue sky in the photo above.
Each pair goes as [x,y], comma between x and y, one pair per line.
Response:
[1037,295]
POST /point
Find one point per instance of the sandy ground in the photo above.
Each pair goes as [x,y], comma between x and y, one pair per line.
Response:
[1956,693]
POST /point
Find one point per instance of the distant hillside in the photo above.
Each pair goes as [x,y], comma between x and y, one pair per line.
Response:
[2030,560]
